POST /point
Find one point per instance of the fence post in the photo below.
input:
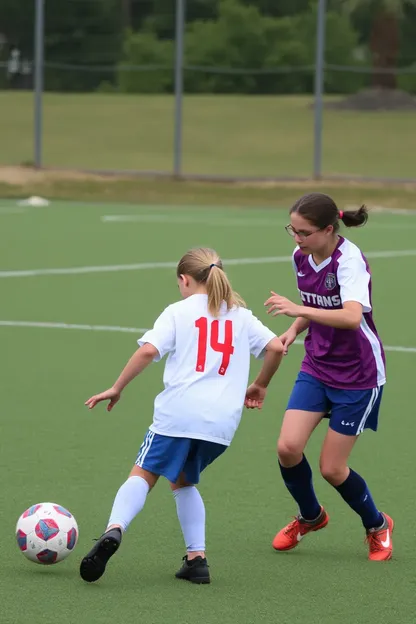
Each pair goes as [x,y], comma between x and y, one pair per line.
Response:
[319,88]
[38,81]
[179,37]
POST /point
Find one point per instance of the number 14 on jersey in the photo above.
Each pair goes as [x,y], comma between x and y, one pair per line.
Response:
[226,347]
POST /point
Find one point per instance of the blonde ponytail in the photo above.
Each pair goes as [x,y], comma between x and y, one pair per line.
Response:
[205,267]
[219,289]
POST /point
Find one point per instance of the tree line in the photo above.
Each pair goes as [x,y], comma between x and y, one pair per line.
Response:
[230,46]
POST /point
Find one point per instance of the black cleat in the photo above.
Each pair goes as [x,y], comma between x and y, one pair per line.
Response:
[195,571]
[93,565]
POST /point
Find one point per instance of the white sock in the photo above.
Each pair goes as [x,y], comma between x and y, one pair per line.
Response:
[191,514]
[130,499]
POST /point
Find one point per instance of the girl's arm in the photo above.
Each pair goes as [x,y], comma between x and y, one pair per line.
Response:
[348,317]
[256,392]
[300,325]
[137,363]
[271,362]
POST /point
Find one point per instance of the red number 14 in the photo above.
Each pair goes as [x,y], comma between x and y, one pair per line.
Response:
[226,347]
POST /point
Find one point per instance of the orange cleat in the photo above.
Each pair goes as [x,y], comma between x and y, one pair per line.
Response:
[379,540]
[293,533]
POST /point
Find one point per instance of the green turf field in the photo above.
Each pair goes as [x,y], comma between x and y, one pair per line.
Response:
[53,449]
[222,135]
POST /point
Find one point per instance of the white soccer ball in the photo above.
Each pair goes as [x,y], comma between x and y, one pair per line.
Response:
[46,533]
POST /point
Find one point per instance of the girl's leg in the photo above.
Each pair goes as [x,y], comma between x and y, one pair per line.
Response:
[191,510]
[128,503]
[351,414]
[297,428]
[191,515]
[352,487]
[131,497]
[307,405]
[158,455]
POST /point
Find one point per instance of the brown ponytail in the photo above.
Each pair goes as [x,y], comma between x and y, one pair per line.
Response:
[354,218]
[205,267]
[321,210]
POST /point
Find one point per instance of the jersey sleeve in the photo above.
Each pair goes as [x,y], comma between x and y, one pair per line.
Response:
[259,337]
[354,280]
[294,265]
[162,336]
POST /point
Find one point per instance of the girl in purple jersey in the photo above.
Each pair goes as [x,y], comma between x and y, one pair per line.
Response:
[342,374]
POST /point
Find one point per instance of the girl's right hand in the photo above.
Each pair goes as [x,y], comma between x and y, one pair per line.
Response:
[255,396]
[287,339]
[111,395]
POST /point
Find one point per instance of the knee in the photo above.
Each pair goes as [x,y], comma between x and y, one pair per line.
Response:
[181,483]
[289,451]
[333,472]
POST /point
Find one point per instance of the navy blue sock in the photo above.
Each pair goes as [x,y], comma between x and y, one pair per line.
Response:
[298,481]
[355,492]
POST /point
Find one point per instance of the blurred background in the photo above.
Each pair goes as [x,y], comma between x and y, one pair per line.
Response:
[245,74]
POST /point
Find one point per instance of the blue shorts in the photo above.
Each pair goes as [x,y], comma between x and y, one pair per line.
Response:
[349,411]
[169,457]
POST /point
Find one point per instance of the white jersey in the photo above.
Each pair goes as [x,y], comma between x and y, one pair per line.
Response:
[207,369]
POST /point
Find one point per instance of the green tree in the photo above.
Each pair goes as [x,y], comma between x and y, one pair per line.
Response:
[243,38]
[81,34]
[384,37]
[279,8]
[161,18]
[152,59]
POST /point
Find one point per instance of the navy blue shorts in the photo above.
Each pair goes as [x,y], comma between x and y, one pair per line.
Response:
[169,457]
[349,411]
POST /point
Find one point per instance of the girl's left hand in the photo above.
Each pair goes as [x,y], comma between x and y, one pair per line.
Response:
[280,305]
[112,395]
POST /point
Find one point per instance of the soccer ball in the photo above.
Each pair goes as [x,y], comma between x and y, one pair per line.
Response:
[46,533]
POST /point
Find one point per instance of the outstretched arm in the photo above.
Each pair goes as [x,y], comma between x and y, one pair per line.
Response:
[137,363]
[348,317]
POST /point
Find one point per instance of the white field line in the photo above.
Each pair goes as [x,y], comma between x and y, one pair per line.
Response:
[172,208]
[210,221]
[132,330]
[99,328]
[141,266]
[383,210]
[219,222]
[180,220]
[394,226]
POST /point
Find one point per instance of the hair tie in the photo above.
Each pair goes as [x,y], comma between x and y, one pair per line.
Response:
[212,265]
[341,214]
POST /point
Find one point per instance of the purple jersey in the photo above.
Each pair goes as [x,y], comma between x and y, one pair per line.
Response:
[349,359]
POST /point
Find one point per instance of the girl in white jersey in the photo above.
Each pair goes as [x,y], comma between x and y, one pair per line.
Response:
[208,338]
[342,375]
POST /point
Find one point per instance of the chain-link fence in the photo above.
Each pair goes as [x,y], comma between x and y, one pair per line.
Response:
[218,88]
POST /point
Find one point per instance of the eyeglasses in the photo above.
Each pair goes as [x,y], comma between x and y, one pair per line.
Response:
[302,235]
